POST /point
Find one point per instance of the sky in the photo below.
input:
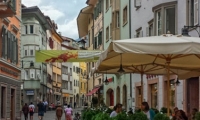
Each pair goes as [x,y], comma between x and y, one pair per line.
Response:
[63,12]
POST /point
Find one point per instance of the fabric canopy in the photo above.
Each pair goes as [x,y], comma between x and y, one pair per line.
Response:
[93,91]
[66,56]
[82,20]
[150,55]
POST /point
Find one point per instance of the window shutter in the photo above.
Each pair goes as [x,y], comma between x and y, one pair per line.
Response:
[100,6]
[17,51]
[11,48]
[3,41]
[8,46]
[147,32]
[95,12]
[196,12]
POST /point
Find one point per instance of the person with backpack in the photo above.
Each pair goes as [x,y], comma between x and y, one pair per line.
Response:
[31,110]
[41,108]
[59,112]
[25,110]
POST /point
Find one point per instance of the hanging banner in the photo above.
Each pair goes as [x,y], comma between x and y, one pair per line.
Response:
[67,55]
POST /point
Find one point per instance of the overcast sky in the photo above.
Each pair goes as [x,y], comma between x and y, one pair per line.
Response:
[63,12]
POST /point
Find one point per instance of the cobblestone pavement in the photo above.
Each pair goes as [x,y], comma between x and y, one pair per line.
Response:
[51,115]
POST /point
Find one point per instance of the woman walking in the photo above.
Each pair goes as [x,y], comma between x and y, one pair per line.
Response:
[25,110]
[59,112]
[68,113]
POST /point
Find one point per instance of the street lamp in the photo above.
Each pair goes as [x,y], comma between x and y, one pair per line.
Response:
[185,30]
[177,82]
[121,70]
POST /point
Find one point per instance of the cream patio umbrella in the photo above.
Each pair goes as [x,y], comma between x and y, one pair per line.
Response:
[153,55]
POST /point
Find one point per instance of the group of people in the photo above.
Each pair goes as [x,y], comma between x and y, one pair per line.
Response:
[41,106]
[68,112]
[178,114]
[145,108]
[181,115]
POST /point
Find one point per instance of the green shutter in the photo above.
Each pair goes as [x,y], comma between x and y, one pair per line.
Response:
[8,46]
[100,6]
[3,42]
[17,50]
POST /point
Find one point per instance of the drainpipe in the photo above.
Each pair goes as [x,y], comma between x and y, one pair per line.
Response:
[130,37]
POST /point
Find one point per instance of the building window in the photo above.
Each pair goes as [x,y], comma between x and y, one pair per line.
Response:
[107,33]
[70,85]
[154,96]
[25,53]
[150,30]
[81,85]
[159,23]
[138,32]
[26,29]
[170,20]
[31,29]
[70,71]
[99,81]
[165,20]
[107,4]
[31,52]
[125,15]
[117,24]
[74,83]
[193,12]
[74,69]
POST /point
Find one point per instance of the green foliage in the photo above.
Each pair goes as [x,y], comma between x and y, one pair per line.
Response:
[101,116]
[155,110]
[164,110]
[109,111]
[197,116]
[160,116]
[138,110]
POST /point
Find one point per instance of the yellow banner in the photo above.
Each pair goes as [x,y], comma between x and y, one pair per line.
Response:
[67,55]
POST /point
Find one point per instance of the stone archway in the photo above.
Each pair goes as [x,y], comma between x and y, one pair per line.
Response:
[118,95]
[110,97]
[125,96]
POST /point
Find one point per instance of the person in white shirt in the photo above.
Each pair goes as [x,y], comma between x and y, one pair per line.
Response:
[45,106]
[117,109]
[31,110]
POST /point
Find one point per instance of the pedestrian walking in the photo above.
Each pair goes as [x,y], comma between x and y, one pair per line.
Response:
[41,107]
[59,112]
[68,113]
[45,106]
[25,110]
[31,110]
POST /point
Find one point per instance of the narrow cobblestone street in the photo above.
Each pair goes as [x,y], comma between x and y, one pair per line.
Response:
[51,115]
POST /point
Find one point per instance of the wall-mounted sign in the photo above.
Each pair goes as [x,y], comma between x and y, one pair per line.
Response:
[29,92]
[6,70]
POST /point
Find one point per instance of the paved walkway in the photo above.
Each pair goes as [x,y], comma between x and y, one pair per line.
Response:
[51,115]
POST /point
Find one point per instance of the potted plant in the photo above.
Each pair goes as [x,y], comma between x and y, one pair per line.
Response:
[160,116]
[197,116]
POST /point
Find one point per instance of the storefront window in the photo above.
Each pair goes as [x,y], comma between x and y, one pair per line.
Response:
[154,96]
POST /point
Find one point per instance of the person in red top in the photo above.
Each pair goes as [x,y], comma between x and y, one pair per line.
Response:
[25,110]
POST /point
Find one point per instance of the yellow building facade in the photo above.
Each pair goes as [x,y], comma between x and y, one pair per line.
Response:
[83,82]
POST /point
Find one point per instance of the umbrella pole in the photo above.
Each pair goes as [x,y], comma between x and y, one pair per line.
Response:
[142,88]
[168,89]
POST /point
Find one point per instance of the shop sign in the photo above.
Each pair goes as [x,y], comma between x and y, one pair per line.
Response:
[29,92]
[6,70]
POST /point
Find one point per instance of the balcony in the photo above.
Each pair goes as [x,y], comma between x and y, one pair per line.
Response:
[7,8]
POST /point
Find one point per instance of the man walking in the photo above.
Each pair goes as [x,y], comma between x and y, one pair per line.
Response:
[31,110]
[41,108]
[45,106]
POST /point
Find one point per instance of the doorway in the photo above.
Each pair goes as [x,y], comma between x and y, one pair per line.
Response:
[3,102]
[192,93]
[12,104]
[110,97]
